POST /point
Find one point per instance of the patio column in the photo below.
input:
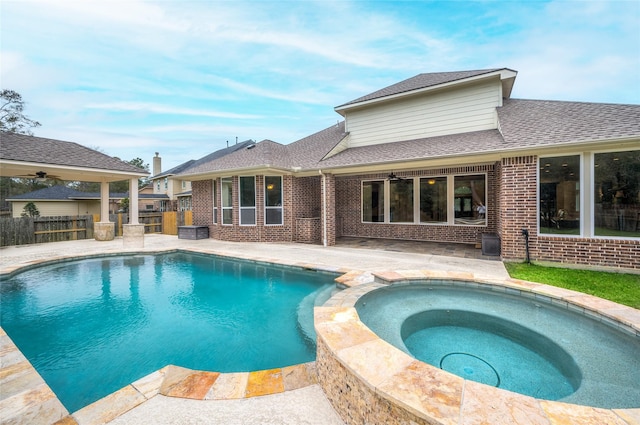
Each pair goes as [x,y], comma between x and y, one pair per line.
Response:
[133,233]
[328,210]
[104,230]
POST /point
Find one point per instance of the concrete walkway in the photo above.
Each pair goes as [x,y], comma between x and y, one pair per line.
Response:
[301,406]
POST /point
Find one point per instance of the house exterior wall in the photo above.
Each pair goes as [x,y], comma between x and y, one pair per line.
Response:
[462,110]
[348,210]
[58,208]
[260,232]
[518,197]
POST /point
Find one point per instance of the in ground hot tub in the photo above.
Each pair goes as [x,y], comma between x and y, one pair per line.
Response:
[523,343]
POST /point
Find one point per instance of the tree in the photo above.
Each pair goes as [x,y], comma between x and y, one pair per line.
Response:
[12,118]
[30,210]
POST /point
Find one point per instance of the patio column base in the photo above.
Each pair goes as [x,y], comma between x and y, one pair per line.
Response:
[104,231]
[133,235]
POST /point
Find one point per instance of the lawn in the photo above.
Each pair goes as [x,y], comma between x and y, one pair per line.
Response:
[618,287]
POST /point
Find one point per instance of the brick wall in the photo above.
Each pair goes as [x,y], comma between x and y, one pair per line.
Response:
[296,203]
[517,194]
[348,210]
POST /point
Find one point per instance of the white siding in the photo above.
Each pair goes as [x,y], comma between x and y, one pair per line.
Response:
[462,110]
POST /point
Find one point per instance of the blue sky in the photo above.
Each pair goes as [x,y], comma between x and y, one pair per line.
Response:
[182,78]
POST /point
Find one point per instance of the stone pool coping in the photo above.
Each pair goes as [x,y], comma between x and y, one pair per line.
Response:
[368,380]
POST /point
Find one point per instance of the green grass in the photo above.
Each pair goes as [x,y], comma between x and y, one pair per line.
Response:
[617,287]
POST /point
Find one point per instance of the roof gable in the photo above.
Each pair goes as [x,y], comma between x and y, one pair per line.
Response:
[430,81]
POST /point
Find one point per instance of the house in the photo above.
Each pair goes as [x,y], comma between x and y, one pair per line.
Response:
[178,190]
[446,157]
[61,200]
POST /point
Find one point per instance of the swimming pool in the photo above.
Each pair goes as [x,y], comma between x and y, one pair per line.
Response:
[92,326]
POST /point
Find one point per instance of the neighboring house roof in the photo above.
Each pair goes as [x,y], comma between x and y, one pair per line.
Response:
[183,194]
[175,170]
[64,193]
[21,147]
[522,124]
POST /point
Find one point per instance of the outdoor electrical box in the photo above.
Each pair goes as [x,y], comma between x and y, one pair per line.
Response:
[490,244]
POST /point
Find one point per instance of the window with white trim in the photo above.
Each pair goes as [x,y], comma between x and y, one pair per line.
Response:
[273,200]
[226,191]
[616,177]
[247,198]
[215,200]
[559,195]
[451,200]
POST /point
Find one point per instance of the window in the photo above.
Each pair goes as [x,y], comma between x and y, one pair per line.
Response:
[166,183]
[273,200]
[373,201]
[559,195]
[158,185]
[248,200]
[617,194]
[401,201]
[227,200]
[215,201]
[433,200]
[446,200]
[469,199]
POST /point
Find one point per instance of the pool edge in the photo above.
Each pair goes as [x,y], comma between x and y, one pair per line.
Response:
[398,388]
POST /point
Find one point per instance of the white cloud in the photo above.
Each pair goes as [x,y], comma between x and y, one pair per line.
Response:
[167,110]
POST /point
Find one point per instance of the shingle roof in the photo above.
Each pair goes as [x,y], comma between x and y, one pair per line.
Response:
[421,81]
[526,123]
[20,147]
[175,170]
[432,147]
[265,153]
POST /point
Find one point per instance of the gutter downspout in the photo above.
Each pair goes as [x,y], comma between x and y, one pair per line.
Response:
[324,209]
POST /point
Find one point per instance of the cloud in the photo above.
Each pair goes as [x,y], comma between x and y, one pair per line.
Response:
[166,110]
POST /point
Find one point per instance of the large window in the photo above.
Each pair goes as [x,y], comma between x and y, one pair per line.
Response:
[273,200]
[215,201]
[617,194]
[401,201]
[433,200]
[373,201]
[469,202]
[559,195]
[247,200]
[227,200]
[447,200]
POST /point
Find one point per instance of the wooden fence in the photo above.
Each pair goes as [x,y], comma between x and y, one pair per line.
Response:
[30,230]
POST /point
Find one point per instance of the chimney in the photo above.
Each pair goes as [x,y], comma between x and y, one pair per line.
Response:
[157,165]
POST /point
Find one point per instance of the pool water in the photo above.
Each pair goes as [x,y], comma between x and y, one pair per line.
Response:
[492,351]
[515,340]
[92,326]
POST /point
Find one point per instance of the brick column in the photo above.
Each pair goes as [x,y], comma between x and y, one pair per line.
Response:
[518,211]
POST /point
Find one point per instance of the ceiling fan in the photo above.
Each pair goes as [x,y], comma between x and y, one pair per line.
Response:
[40,176]
[392,176]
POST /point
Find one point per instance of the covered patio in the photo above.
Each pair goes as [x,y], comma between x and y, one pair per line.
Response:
[40,158]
